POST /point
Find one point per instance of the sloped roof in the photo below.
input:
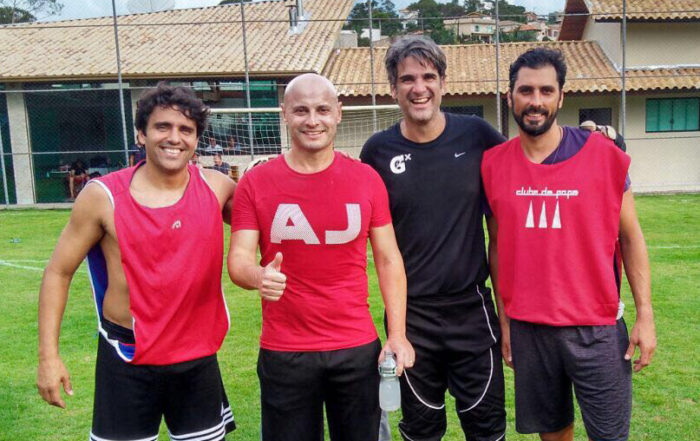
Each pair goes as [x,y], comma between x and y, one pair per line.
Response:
[663,79]
[198,42]
[578,12]
[471,69]
[643,10]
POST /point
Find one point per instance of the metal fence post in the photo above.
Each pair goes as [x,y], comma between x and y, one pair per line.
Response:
[2,165]
[623,96]
[121,88]
[498,74]
[247,83]
[371,69]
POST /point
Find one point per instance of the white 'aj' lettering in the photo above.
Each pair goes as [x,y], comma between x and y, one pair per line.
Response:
[290,223]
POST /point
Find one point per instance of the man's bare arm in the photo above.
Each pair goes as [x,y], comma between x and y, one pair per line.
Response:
[245,271]
[84,230]
[636,261]
[223,187]
[392,283]
[503,319]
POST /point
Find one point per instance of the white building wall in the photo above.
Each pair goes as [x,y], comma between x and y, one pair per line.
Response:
[648,44]
[608,36]
[653,44]
[668,161]
[21,149]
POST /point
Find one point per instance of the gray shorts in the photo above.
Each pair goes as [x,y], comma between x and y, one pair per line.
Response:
[547,360]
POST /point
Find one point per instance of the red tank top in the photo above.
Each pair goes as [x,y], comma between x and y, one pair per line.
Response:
[172,259]
[557,230]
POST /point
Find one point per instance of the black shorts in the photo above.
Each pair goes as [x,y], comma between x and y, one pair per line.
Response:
[548,360]
[457,344]
[131,400]
[295,385]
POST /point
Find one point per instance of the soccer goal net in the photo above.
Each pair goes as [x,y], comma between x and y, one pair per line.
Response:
[241,135]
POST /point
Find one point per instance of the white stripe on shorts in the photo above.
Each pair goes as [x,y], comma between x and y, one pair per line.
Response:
[212,434]
[486,314]
[488,383]
[425,403]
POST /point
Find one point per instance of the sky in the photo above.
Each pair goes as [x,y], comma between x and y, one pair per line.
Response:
[73,9]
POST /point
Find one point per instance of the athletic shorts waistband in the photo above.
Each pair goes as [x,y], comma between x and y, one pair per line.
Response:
[467,295]
[118,332]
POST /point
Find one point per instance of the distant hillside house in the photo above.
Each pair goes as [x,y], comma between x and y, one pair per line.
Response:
[408,17]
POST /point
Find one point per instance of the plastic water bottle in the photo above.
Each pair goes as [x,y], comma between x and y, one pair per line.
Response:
[389,387]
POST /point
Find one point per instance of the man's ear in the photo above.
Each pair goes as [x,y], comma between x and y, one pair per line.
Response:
[141,138]
[509,99]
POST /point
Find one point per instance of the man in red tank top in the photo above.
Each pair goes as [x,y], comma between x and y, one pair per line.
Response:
[553,235]
[311,212]
[161,318]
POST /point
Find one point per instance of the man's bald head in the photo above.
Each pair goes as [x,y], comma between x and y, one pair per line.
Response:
[312,81]
[312,112]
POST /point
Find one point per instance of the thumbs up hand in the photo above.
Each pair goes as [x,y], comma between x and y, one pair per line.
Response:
[273,282]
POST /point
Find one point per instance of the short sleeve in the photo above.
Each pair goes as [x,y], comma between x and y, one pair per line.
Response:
[491,137]
[366,154]
[380,201]
[243,215]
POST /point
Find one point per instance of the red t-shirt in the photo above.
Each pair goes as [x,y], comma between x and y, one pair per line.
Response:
[557,230]
[320,222]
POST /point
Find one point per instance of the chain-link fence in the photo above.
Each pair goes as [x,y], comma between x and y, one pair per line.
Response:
[56,135]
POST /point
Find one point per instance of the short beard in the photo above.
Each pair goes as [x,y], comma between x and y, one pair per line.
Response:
[534,131]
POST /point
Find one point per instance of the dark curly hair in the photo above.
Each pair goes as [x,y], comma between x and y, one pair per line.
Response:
[181,98]
[536,58]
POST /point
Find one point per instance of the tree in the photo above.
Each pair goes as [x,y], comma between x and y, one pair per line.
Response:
[442,36]
[388,6]
[9,15]
[429,13]
[384,17]
[473,6]
[452,9]
[506,11]
[19,11]
[507,37]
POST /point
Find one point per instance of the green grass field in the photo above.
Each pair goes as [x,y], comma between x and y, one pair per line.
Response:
[666,394]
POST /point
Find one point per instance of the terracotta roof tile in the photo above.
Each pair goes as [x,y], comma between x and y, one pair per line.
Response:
[578,11]
[645,9]
[199,42]
[663,79]
[471,68]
